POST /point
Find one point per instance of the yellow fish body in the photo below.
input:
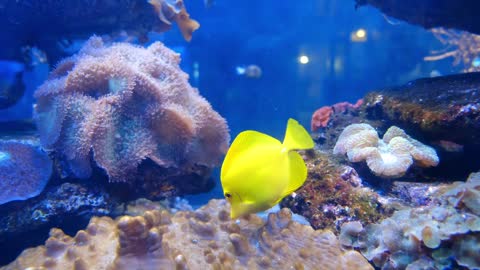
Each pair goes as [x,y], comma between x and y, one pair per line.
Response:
[259,170]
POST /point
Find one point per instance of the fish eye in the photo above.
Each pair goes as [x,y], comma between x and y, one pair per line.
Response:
[228,195]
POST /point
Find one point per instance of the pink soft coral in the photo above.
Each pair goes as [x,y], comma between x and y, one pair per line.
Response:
[121,104]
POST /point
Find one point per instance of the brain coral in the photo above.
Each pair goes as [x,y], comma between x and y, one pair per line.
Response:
[24,170]
[390,157]
[204,239]
[121,104]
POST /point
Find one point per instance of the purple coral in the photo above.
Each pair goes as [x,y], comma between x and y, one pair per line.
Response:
[24,170]
[118,105]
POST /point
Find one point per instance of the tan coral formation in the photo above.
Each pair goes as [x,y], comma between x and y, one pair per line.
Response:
[447,229]
[204,239]
[389,157]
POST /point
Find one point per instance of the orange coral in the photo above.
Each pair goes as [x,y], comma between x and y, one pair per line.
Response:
[322,116]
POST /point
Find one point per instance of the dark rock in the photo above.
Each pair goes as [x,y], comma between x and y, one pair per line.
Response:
[68,206]
[443,112]
[50,25]
[459,14]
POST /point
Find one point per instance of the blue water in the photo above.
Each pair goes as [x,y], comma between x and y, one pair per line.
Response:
[272,35]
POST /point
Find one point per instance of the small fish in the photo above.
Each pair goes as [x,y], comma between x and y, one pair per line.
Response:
[251,71]
[259,170]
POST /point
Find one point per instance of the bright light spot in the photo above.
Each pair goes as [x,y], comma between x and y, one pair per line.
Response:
[303,59]
[361,33]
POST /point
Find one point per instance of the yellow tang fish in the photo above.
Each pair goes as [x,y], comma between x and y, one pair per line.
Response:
[259,170]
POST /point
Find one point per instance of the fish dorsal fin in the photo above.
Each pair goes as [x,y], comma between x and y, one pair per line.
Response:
[296,137]
[246,143]
[298,173]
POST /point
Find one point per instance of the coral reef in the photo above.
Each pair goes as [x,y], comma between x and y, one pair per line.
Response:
[388,158]
[464,47]
[204,239]
[122,104]
[443,112]
[24,170]
[459,14]
[444,233]
[322,116]
[333,194]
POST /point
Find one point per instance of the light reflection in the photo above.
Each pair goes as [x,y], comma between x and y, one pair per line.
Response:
[303,59]
[359,35]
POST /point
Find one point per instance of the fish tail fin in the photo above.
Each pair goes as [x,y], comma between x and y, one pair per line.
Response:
[297,137]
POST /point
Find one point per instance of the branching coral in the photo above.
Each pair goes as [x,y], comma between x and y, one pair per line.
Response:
[390,157]
[124,104]
[24,170]
[464,47]
[204,239]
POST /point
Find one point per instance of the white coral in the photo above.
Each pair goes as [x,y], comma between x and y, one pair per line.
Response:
[389,157]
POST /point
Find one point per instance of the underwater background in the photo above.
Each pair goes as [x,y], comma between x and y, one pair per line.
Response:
[387,89]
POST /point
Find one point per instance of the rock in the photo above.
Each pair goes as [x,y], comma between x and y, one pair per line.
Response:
[443,110]
[69,206]
[460,14]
